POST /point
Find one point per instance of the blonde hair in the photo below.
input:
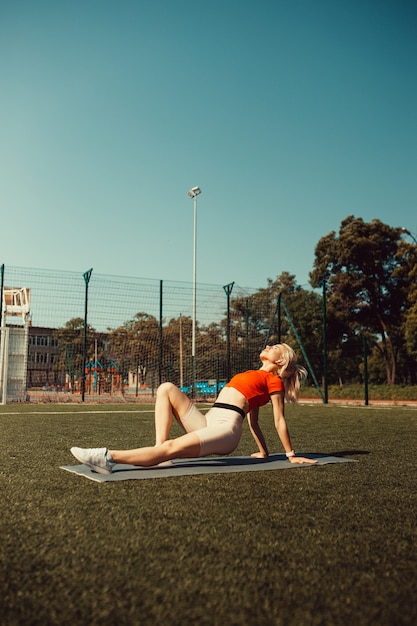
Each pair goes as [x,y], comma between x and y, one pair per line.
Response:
[291,372]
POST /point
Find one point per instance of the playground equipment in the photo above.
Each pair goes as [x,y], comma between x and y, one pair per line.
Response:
[14,340]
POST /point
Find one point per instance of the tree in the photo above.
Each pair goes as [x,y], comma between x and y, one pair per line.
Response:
[71,345]
[408,270]
[134,345]
[255,322]
[176,363]
[367,292]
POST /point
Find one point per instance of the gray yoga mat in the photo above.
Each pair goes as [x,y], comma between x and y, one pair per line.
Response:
[209,465]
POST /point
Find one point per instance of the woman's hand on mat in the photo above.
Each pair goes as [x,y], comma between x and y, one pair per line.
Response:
[301,459]
[259,455]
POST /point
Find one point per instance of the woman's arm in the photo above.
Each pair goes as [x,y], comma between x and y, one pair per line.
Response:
[277,401]
[257,434]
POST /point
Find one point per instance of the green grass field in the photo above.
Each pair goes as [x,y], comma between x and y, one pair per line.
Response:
[330,545]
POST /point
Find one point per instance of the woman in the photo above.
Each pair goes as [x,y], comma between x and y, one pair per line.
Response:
[220,430]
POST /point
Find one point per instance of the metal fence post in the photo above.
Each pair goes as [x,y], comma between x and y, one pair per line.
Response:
[365,371]
[247,334]
[325,380]
[160,335]
[228,289]
[279,317]
[87,276]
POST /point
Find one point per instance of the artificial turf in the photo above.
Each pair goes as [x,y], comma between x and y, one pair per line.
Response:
[330,545]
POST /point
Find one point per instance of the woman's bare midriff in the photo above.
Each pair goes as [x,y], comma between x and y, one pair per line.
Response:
[229,395]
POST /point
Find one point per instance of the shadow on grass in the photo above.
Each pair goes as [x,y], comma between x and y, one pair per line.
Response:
[349,453]
[232,462]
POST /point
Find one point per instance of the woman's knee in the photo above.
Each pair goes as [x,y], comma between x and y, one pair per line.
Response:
[165,389]
[188,446]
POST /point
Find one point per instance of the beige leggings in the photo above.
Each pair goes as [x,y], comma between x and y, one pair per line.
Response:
[219,430]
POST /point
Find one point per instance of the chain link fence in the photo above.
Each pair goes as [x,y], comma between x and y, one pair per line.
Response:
[69,336]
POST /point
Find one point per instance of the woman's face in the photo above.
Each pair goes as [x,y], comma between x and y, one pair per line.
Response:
[272,353]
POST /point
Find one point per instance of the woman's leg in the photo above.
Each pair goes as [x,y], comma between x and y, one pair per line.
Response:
[184,447]
[170,401]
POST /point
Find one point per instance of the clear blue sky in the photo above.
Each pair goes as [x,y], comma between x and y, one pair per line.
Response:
[289,114]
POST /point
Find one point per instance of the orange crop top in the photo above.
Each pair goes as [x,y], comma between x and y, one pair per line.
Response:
[257,386]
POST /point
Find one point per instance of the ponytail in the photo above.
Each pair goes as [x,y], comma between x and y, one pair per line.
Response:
[292,373]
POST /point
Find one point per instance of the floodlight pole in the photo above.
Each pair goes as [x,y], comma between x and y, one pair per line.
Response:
[194,277]
[193,193]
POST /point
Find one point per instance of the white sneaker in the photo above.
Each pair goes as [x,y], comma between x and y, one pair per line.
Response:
[96,458]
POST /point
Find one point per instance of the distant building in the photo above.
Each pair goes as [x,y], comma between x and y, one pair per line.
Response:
[42,353]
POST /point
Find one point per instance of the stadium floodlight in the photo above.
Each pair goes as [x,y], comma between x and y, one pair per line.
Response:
[193,193]
[407,232]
